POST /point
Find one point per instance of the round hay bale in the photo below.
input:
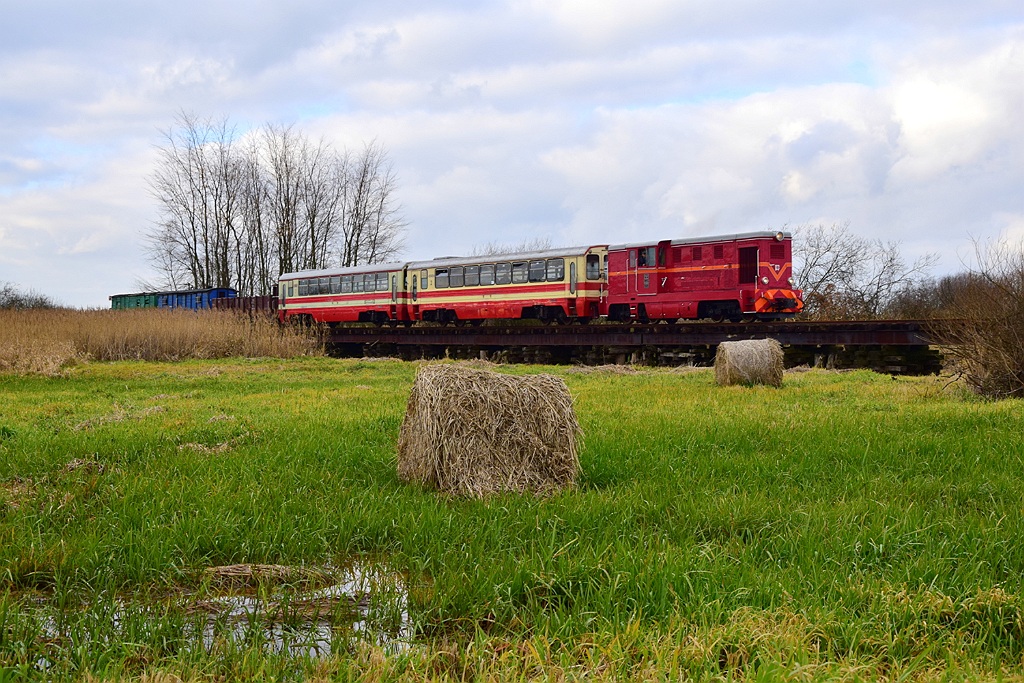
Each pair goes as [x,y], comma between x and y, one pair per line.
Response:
[476,432]
[755,361]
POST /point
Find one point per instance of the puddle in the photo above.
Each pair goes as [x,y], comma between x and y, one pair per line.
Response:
[360,601]
[300,612]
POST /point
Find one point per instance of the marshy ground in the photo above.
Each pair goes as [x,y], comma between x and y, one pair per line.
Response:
[846,526]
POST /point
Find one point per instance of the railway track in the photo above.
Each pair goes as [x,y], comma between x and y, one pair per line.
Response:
[894,346]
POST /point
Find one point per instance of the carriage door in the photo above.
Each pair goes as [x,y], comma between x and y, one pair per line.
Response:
[748,265]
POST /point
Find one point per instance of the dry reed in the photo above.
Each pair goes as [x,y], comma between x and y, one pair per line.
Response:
[48,341]
[475,432]
[749,362]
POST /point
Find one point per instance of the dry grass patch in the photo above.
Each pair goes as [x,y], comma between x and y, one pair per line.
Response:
[475,432]
[48,341]
[16,492]
[251,575]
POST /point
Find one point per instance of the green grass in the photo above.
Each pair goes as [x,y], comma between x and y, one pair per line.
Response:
[846,526]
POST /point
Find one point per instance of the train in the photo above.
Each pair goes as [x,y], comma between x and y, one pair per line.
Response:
[194,299]
[744,276]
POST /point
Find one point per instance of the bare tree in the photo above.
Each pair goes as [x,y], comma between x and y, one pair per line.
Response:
[196,187]
[234,214]
[373,230]
[844,275]
[499,248]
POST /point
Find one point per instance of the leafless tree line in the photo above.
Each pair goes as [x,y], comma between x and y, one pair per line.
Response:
[848,276]
[237,211]
[979,312]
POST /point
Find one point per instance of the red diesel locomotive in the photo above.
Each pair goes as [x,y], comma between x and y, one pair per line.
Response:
[731,277]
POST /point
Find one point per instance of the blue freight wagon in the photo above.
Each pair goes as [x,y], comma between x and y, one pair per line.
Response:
[193,299]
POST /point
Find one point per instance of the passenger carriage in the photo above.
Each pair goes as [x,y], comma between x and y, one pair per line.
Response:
[550,285]
[729,277]
[371,293]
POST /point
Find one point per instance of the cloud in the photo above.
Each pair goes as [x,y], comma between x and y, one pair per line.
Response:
[585,121]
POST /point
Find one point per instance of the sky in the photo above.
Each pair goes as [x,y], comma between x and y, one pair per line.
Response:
[575,121]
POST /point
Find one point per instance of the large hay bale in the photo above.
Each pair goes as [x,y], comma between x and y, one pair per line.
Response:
[475,432]
[755,361]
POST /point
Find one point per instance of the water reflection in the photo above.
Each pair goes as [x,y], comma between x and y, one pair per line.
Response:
[365,601]
[299,612]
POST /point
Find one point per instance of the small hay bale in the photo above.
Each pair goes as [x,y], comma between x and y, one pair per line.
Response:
[755,361]
[476,432]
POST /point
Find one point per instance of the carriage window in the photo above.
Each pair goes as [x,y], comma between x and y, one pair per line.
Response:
[487,274]
[357,283]
[537,271]
[632,258]
[503,273]
[291,289]
[325,285]
[456,276]
[423,279]
[441,278]
[593,267]
[519,272]
[556,270]
[346,284]
[382,282]
[303,287]
[369,282]
[661,256]
[472,276]
[335,285]
[697,253]
[719,251]
[645,258]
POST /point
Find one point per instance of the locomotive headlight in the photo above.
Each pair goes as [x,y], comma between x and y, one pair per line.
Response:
[789,280]
[779,236]
[764,280]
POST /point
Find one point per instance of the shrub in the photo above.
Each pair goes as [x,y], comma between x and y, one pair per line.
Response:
[985,337]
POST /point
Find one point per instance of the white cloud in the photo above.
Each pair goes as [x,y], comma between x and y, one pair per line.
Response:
[590,121]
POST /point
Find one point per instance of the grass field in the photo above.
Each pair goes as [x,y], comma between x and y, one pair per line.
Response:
[848,526]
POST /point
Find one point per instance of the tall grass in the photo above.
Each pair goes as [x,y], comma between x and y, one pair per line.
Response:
[46,341]
[845,526]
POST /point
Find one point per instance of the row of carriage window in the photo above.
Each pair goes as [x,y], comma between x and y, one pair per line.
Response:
[515,272]
[344,284]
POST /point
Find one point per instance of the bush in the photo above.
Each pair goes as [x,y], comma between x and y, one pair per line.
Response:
[13,298]
[985,337]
